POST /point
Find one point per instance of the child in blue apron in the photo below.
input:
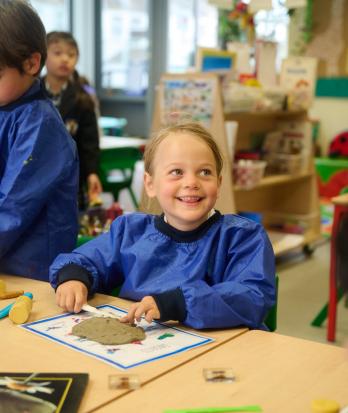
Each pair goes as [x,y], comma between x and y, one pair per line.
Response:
[191,264]
[38,158]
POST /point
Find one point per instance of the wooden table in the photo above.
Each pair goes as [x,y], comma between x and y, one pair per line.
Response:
[23,351]
[281,374]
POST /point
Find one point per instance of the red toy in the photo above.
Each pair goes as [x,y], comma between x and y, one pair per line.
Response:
[339,145]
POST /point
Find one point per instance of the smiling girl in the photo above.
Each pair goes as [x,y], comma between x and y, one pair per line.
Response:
[190,264]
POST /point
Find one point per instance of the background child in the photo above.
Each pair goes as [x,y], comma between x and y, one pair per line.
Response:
[76,107]
[191,264]
[39,164]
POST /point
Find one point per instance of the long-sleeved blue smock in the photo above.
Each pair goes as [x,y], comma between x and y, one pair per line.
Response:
[38,186]
[220,275]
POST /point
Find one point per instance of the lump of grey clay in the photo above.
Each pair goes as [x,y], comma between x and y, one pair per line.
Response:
[108,330]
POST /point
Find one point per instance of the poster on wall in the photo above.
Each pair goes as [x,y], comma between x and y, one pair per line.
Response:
[187,100]
[298,77]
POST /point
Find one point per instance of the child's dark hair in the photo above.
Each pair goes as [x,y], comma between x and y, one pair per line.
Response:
[21,34]
[66,37]
[83,99]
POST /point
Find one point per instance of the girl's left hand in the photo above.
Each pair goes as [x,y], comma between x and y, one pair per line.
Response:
[146,306]
[94,187]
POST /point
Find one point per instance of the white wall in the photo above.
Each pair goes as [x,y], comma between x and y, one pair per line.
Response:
[333,116]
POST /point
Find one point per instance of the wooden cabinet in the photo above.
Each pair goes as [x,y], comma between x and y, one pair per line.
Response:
[288,202]
[289,198]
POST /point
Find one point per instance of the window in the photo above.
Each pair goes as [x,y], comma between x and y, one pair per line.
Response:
[55,14]
[273,25]
[192,23]
[125,45]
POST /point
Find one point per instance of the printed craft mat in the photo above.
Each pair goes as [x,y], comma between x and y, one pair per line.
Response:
[161,340]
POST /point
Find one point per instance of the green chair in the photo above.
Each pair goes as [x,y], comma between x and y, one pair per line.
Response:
[82,239]
[117,169]
[271,317]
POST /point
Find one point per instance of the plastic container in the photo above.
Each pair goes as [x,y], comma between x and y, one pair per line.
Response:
[247,173]
[281,163]
[291,223]
[253,216]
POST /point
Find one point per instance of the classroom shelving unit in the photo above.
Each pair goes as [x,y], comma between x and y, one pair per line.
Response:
[277,197]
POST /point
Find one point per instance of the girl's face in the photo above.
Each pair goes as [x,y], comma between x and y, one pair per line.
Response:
[184,180]
[61,59]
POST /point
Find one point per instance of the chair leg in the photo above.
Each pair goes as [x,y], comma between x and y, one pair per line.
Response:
[134,199]
[322,315]
[331,324]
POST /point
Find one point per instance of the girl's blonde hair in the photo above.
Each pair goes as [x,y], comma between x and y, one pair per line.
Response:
[191,128]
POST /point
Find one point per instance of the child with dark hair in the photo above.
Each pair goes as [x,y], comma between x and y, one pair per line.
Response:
[191,264]
[76,106]
[39,162]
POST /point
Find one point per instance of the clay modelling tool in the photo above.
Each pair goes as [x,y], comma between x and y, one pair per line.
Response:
[8,294]
[19,312]
[6,310]
[97,312]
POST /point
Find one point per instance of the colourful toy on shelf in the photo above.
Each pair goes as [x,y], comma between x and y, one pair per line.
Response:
[339,145]
[97,220]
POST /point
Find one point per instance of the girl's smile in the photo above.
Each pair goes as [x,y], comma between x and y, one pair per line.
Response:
[184,180]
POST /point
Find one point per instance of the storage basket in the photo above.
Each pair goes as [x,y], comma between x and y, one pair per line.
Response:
[247,174]
[281,163]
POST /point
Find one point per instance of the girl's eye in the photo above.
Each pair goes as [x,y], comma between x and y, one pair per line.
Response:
[176,172]
[205,172]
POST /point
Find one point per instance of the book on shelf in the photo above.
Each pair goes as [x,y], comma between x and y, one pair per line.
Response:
[41,392]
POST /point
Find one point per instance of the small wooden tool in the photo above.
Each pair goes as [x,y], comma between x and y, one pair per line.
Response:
[8,294]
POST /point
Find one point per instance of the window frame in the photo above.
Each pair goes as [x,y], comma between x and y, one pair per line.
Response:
[116,94]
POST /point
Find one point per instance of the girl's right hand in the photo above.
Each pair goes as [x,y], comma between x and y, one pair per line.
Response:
[71,296]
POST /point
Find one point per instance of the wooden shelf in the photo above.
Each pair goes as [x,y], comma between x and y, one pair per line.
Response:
[282,242]
[275,180]
[276,114]
[291,194]
[294,195]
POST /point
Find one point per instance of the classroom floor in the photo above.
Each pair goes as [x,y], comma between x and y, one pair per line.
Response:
[303,290]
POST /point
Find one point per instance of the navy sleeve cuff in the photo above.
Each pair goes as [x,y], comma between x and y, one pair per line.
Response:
[171,305]
[74,272]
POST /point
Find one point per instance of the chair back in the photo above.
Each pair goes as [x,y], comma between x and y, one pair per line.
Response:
[117,168]
[271,317]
